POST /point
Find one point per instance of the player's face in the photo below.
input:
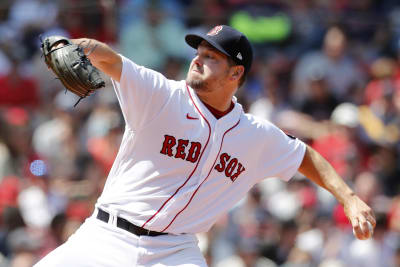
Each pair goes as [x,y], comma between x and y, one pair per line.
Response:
[209,69]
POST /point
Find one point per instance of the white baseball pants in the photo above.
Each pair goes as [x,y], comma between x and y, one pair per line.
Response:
[98,244]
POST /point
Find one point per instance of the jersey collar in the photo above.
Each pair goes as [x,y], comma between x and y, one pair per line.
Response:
[226,121]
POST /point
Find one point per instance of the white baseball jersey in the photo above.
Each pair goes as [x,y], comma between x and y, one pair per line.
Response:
[178,167]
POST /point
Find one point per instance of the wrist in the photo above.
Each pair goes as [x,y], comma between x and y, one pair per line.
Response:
[347,198]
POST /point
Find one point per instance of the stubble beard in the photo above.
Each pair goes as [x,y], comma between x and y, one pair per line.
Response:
[197,84]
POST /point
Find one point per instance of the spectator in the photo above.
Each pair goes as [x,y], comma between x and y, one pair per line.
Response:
[342,72]
[18,89]
[321,102]
[153,37]
[337,88]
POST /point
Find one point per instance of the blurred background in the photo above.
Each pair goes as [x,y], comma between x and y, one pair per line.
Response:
[326,71]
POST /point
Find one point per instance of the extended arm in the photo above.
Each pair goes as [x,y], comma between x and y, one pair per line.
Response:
[317,169]
[102,57]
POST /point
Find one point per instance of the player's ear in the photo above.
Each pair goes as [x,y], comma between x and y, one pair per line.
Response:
[237,72]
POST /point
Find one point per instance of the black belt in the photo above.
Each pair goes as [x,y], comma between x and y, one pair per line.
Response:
[124,224]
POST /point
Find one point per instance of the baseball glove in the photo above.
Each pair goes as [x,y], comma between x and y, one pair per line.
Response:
[71,66]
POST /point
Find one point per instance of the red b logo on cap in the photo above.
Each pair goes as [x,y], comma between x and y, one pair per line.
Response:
[215,30]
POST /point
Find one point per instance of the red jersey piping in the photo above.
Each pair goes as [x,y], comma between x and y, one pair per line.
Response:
[191,174]
[212,167]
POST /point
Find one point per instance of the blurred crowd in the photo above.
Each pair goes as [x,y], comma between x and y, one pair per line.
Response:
[326,71]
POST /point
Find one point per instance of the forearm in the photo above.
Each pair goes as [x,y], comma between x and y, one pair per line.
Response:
[98,51]
[317,169]
[101,56]
[320,171]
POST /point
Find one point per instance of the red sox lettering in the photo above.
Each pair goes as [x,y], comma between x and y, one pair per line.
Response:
[176,148]
[233,164]
[170,142]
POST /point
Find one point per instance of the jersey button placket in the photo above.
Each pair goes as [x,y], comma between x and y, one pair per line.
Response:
[214,148]
[215,134]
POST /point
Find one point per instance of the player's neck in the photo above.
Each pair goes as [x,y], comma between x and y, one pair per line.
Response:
[216,100]
[220,98]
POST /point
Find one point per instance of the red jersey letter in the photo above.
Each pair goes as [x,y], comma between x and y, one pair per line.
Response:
[180,149]
[194,152]
[239,170]
[169,142]
[231,166]
[222,161]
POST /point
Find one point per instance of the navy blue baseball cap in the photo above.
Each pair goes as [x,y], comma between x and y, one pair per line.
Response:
[227,40]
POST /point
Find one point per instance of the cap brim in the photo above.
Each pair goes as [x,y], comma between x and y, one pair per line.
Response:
[194,40]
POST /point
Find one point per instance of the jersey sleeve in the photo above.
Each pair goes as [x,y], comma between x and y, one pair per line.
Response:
[281,155]
[141,93]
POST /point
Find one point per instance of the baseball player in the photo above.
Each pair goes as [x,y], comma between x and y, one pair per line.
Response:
[188,154]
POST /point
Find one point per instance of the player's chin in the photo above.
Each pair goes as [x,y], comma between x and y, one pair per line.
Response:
[194,82]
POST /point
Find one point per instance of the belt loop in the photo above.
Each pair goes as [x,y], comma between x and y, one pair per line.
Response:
[113,217]
[96,211]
